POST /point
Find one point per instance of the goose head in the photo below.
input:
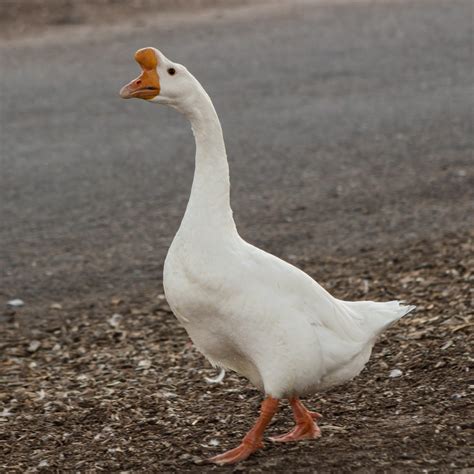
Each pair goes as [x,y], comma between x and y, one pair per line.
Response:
[161,80]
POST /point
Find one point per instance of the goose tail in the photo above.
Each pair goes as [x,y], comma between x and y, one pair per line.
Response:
[379,316]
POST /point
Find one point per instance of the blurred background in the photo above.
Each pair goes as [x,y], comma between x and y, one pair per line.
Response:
[348,125]
[349,131]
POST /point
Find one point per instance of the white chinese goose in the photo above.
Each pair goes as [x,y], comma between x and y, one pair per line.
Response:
[244,309]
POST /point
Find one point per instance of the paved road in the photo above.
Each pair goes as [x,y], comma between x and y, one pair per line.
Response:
[347,126]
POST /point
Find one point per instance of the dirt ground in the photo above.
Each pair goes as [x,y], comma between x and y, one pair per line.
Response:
[116,385]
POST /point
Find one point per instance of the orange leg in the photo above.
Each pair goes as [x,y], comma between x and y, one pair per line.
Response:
[253,440]
[306,427]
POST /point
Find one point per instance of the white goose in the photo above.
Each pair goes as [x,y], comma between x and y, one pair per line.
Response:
[244,309]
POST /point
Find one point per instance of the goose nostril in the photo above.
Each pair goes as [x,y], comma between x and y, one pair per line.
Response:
[138,83]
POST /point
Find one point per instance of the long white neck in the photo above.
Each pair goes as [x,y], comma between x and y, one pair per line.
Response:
[209,203]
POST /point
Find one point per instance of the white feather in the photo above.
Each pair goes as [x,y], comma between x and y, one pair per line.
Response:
[217,379]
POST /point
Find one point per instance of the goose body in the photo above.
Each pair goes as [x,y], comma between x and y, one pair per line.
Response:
[251,312]
[245,309]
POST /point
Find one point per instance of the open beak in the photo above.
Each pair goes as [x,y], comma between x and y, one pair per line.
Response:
[147,84]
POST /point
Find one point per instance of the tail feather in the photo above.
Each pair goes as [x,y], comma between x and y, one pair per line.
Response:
[379,316]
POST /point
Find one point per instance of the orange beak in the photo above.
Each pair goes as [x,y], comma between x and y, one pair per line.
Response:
[147,84]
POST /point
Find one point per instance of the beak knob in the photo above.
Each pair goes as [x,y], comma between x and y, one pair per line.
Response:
[146,58]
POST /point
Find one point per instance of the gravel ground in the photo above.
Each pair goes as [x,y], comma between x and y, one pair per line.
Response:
[111,385]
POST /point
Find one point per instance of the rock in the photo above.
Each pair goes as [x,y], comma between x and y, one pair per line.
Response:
[33,346]
[144,364]
[395,373]
[16,303]
[114,321]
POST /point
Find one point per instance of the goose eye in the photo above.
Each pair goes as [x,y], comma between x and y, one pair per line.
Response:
[171,71]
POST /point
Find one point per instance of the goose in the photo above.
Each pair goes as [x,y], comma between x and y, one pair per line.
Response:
[245,309]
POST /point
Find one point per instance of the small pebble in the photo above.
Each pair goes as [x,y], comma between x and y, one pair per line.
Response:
[16,303]
[395,373]
[33,346]
[114,321]
[144,364]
